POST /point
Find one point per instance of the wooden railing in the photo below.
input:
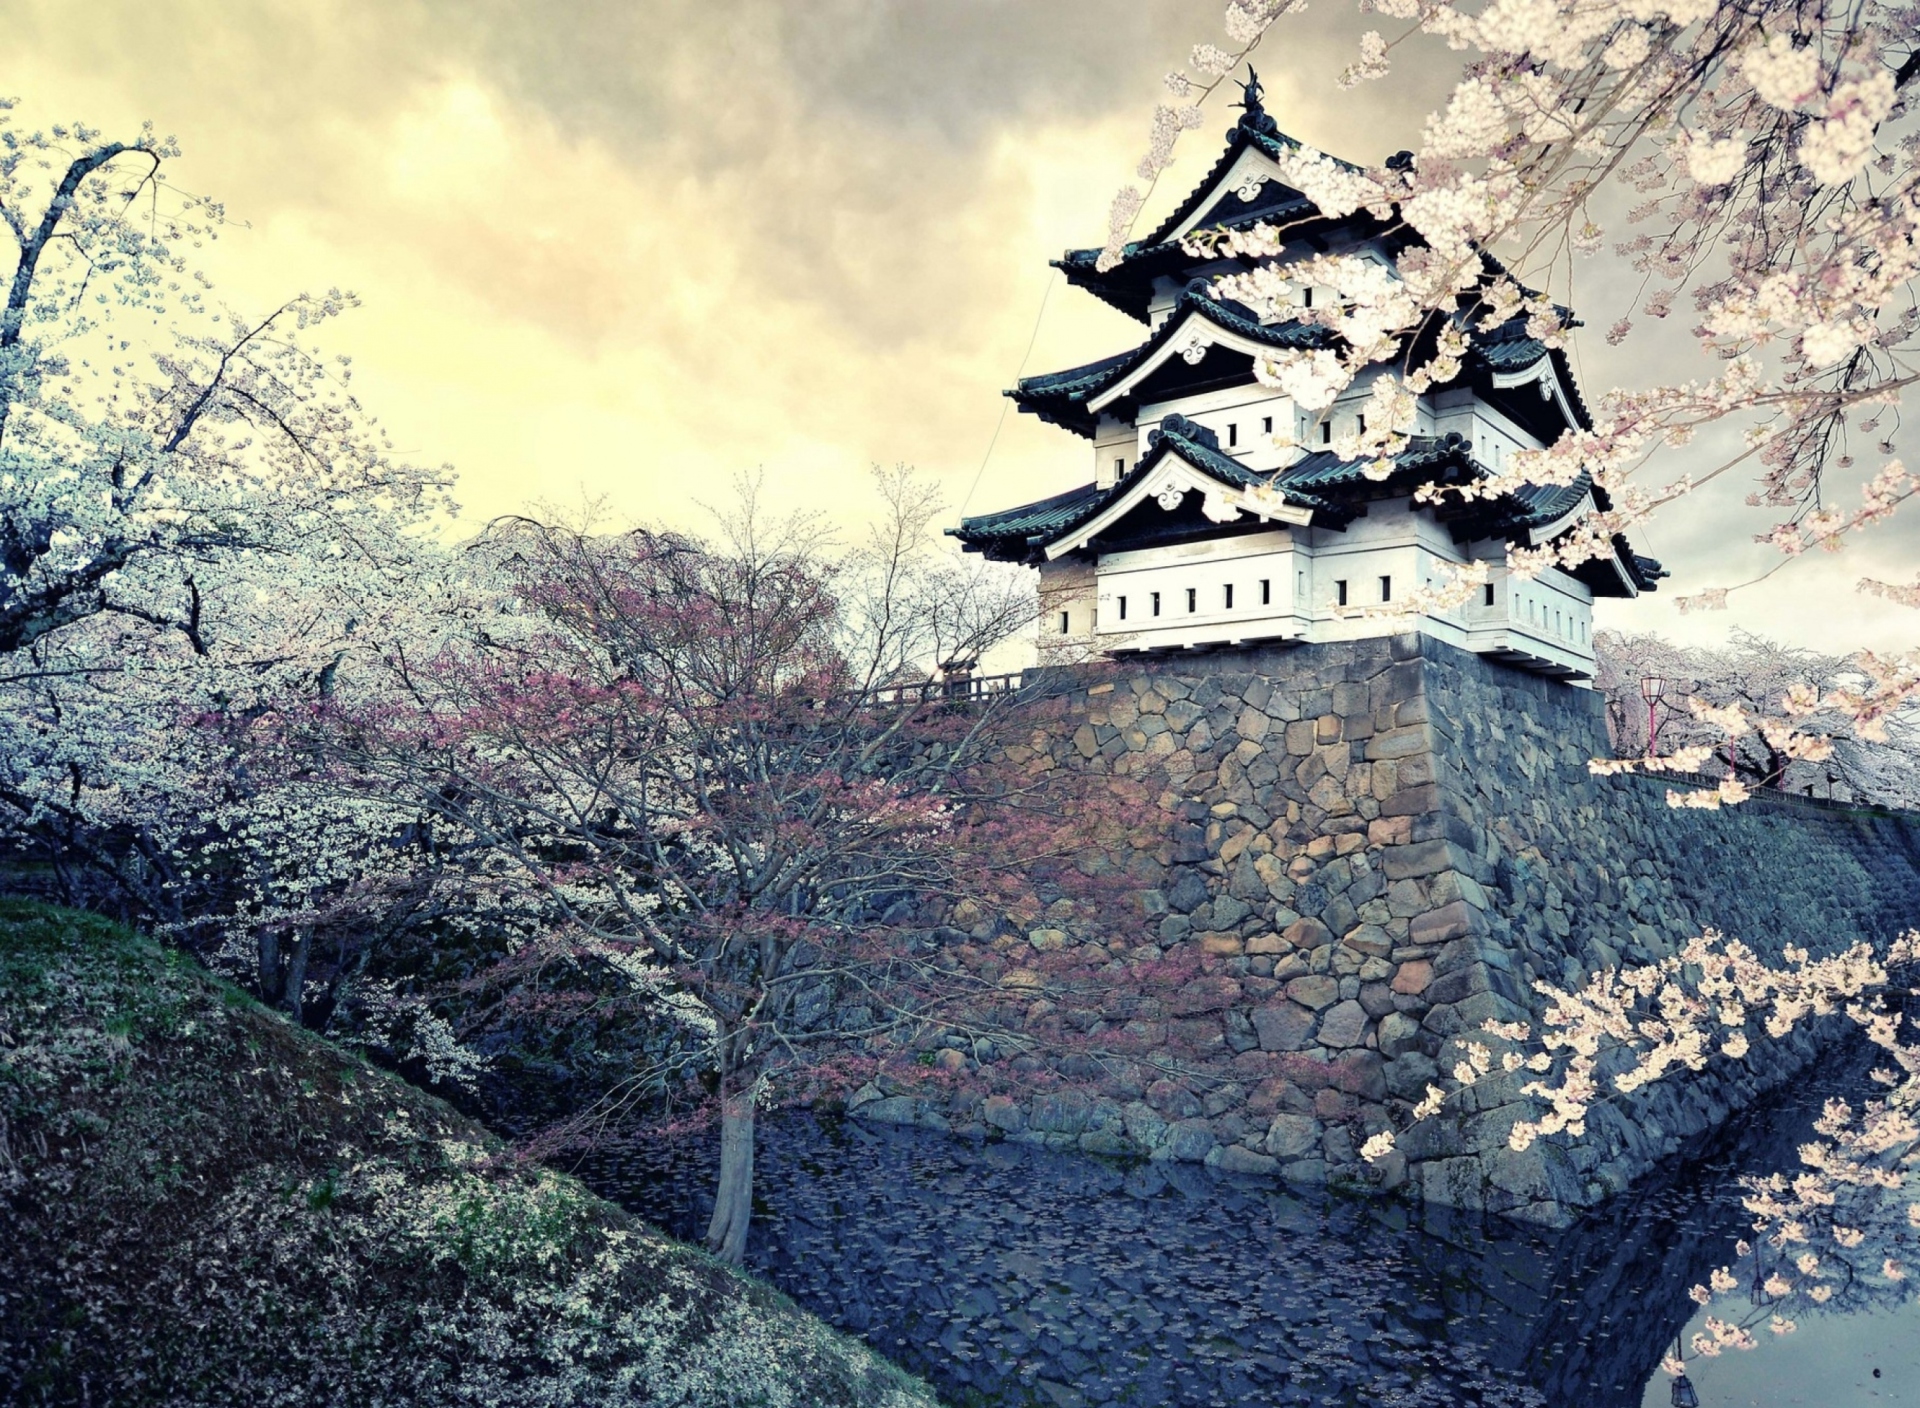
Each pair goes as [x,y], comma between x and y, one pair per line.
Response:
[960,690]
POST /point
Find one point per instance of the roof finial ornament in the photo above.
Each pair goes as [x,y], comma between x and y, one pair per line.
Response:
[1252,92]
[1255,118]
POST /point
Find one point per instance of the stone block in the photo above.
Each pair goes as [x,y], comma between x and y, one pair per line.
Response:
[1002,1112]
[1453,987]
[1390,831]
[1413,977]
[1413,861]
[1108,1143]
[1062,1112]
[1452,1182]
[1290,1136]
[1214,993]
[1361,1074]
[1144,1126]
[1189,892]
[1235,1158]
[1376,996]
[1399,743]
[1369,939]
[1344,1025]
[1449,922]
[1308,934]
[1314,991]
[1048,940]
[1187,1142]
[1172,1099]
[1399,1034]
[890,1109]
[1269,944]
[1284,1026]
[1408,1074]
[1412,801]
[1228,911]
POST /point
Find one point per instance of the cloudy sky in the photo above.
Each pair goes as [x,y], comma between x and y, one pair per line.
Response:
[631,248]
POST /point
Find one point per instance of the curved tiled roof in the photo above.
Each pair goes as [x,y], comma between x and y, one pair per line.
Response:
[1019,534]
[1061,397]
[1334,489]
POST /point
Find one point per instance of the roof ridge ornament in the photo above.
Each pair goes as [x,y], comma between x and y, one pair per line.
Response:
[1255,118]
[1252,91]
[1177,424]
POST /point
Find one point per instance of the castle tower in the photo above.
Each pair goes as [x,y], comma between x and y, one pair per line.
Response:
[1212,516]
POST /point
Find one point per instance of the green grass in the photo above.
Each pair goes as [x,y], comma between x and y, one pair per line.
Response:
[203,1204]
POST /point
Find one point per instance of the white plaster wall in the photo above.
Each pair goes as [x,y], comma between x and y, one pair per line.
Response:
[1205,569]
[1238,415]
[1066,611]
[1114,451]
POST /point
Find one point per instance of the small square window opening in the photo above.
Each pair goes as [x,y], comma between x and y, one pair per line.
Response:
[1340,592]
[1386,589]
[1193,598]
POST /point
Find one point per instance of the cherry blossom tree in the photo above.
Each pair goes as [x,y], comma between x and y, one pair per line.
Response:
[1757,677]
[196,517]
[704,758]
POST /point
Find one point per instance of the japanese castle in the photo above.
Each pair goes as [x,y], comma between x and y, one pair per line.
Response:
[1210,518]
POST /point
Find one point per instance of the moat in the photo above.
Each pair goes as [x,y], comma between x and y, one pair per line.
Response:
[1008,1275]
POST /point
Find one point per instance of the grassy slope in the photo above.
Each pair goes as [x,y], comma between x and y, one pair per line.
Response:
[201,1204]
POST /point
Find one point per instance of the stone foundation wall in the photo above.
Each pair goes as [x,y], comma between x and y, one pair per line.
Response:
[1373,847]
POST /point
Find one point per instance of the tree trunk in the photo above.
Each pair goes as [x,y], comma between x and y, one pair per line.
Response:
[296,990]
[269,974]
[733,1198]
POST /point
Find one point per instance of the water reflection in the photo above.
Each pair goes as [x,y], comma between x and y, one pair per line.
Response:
[1008,1275]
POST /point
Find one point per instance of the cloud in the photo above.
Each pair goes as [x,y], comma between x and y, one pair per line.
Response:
[633,247]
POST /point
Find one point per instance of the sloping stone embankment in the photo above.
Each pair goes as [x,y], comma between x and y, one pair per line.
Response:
[1371,849]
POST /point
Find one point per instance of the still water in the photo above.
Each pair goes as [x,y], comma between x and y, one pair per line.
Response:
[1007,1275]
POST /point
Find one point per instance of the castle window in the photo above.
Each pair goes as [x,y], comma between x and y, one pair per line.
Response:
[1306,297]
[1233,435]
[1120,469]
[1156,603]
[1361,422]
[1193,598]
[1326,432]
[1340,592]
[1386,589]
[1488,589]
[1228,594]
[1123,608]
[1064,623]
[1266,592]
[1266,425]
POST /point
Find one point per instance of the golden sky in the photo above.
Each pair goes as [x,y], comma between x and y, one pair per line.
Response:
[630,248]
